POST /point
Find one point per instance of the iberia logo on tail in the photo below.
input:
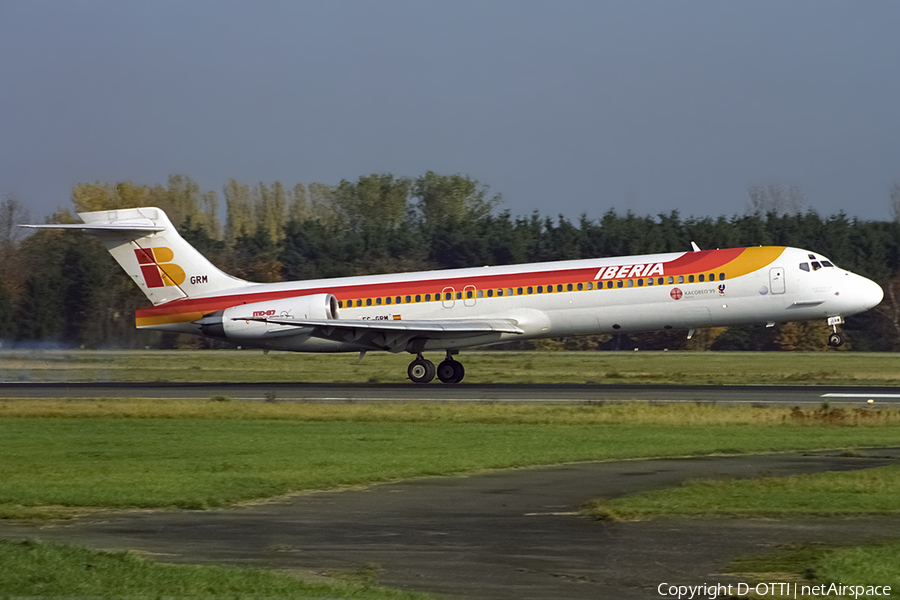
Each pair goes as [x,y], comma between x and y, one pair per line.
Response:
[157,267]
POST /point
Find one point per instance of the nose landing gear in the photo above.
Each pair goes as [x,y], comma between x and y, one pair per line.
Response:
[835,339]
[423,371]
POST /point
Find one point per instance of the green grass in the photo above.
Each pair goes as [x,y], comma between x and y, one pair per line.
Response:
[811,565]
[868,491]
[32,569]
[194,454]
[729,368]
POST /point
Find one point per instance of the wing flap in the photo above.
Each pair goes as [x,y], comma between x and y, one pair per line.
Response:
[432,326]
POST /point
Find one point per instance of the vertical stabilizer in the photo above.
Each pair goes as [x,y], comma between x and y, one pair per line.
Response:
[146,244]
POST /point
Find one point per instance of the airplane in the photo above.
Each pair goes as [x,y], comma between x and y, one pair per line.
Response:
[448,310]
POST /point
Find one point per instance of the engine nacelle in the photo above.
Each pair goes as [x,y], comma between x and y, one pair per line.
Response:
[235,323]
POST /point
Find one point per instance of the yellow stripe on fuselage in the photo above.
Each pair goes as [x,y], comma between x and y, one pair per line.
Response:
[753,259]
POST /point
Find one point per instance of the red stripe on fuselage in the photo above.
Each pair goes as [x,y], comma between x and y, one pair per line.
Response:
[690,262]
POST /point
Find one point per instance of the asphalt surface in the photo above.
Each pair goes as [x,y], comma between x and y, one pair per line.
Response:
[511,534]
[520,393]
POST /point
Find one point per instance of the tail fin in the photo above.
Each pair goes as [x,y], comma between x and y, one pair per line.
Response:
[146,244]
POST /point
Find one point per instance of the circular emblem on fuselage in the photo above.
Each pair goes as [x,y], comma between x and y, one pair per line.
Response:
[676,294]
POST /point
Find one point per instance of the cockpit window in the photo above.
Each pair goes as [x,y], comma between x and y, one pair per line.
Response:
[804,267]
[816,266]
[811,256]
[826,263]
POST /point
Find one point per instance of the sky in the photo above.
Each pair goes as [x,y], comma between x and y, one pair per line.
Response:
[563,107]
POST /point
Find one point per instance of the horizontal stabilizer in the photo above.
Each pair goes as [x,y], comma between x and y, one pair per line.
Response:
[148,247]
[100,227]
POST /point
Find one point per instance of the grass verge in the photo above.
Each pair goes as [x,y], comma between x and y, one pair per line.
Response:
[32,569]
[726,368]
[868,491]
[60,457]
[874,565]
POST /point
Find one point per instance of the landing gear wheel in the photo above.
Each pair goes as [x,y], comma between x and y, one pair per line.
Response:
[421,371]
[835,339]
[451,371]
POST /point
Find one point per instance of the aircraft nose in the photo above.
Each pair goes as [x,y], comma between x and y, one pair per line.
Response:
[871,293]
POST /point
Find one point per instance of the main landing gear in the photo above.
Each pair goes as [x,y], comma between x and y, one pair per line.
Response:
[423,371]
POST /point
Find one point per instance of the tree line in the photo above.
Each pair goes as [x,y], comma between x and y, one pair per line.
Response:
[63,288]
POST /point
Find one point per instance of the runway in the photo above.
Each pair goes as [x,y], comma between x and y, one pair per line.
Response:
[513,393]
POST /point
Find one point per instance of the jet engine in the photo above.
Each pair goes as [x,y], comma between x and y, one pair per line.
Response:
[246,321]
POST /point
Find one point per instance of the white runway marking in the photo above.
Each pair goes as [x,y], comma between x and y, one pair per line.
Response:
[835,395]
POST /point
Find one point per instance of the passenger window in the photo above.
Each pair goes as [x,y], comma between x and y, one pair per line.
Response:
[468,294]
[590,285]
[804,267]
[481,293]
[427,297]
[530,290]
[649,281]
[631,283]
[619,283]
[816,266]
[490,293]
[681,279]
[609,284]
[671,280]
[340,304]
[712,276]
[700,278]
[500,292]
[519,291]
[640,282]
[359,302]
[418,297]
[459,295]
[721,276]
[378,301]
[509,291]
[540,289]
[559,288]
[368,302]
[569,287]
[408,299]
[580,287]
[690,279]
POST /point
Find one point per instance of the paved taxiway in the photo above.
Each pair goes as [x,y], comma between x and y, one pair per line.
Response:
[513,534]
[522,393]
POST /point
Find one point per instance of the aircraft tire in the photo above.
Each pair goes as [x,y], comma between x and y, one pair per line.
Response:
[835,339]
[451,371]
[421,371]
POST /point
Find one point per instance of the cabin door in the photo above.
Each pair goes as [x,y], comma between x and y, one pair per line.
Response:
[776,280]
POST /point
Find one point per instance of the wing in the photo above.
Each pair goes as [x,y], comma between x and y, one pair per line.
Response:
[392,335]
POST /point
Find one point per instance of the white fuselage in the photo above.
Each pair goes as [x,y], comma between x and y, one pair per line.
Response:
[760,285]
